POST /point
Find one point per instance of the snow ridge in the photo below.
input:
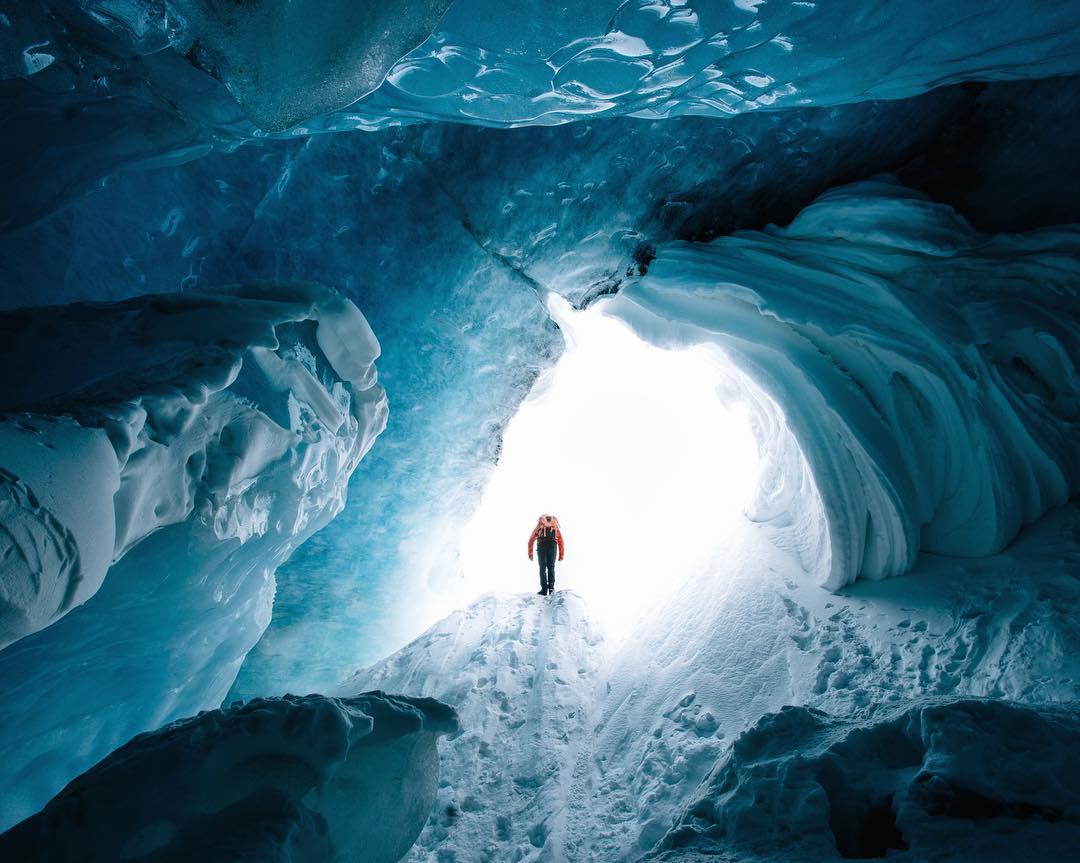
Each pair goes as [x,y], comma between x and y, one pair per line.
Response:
[574,748]
[993,778]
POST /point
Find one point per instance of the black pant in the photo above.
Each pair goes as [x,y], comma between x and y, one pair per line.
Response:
[546,552]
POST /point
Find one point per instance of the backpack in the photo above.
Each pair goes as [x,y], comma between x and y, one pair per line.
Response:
[547,533]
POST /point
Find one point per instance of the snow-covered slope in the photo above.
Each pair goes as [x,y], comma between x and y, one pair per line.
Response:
[523,673]
[574,748]
[159,458]
[927,372]
[295,780]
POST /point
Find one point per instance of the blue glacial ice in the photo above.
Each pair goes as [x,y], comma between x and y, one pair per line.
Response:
[504,216]
[136,84]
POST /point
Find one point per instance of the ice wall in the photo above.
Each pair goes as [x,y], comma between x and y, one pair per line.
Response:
[161,457]
[308,780]
[927,372]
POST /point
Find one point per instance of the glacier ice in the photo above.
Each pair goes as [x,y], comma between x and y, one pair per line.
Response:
[144,84]
[161,457]
[292,779]
[922,427]
[462,324]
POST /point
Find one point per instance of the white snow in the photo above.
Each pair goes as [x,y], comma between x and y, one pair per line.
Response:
[286,779]
[160,458]
[524,672]
[147,378]
[579,748]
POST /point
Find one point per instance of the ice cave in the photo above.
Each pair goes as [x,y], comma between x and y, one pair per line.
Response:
[311,313]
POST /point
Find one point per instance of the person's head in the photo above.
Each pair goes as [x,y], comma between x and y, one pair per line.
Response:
[547,519]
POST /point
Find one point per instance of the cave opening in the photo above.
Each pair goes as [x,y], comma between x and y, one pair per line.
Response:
[647,456]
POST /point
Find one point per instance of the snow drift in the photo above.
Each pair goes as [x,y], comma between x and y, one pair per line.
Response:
[923,426]
[996,779]
[286,779]
[160,458]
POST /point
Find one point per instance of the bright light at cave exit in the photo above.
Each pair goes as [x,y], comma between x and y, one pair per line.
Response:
[636,453]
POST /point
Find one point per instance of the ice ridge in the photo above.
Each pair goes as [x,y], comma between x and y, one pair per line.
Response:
[922,427]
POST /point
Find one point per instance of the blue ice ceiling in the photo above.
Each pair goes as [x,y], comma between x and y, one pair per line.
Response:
[179,148]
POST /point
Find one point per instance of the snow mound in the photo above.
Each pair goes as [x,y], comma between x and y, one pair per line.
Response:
[159,458]
[921,427]
[522,672]
[993,778]
[289,779]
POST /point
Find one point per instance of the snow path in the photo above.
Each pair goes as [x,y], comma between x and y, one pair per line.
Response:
[526,672]
[577,749]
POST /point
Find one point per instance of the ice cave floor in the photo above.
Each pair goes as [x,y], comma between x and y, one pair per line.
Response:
[923,724]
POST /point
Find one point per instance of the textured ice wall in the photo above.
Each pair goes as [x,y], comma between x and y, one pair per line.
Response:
[161,457]
[144,83]
[308,780]
[927,372]
[285,61]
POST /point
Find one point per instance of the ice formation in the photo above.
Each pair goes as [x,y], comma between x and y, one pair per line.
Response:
[922,427]
[866,214]
[161,457]
[307,780]
[137,84]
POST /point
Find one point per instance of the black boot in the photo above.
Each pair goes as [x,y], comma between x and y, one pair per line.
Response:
[542,592]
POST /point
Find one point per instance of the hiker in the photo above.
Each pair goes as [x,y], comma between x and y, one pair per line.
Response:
[546,536]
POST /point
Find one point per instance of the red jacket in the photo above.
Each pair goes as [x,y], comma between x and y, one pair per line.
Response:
[540,525]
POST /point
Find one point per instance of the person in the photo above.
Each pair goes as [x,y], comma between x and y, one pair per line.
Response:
[546,537]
